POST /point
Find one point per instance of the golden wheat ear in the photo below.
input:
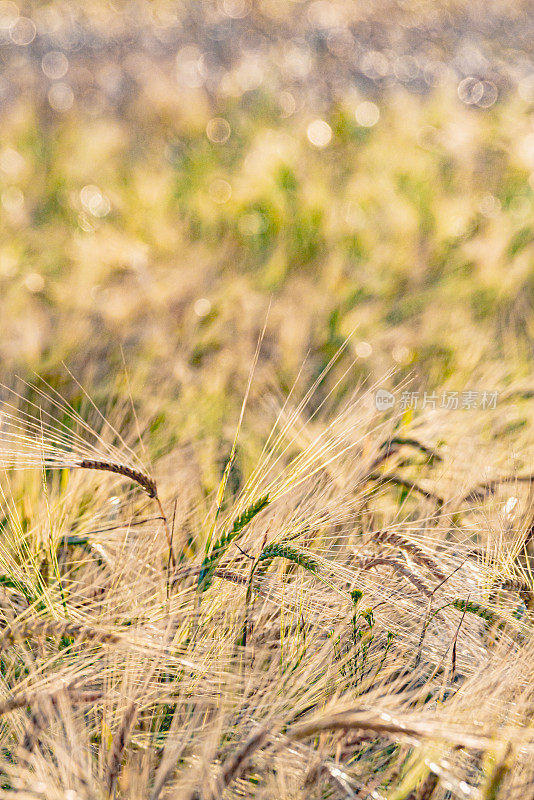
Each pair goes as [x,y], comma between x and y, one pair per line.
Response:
[32,436]
[147,483]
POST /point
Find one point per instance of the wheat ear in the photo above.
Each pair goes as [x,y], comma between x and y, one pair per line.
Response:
[147,483]
[398,566]
[119,744]
[39,628]
[236,763]
[418,555]
[426,789]
[360,720]
[30,698]
[38,721]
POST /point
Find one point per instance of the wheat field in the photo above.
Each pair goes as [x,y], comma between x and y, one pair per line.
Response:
[266,401]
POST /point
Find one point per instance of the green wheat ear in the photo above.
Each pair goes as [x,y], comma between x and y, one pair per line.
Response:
[262,564]
[281,550]
[475,608]
[212,559]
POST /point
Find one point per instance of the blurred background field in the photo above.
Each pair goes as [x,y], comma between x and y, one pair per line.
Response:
[170,170]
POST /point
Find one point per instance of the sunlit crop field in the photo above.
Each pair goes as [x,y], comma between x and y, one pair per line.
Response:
[266,417]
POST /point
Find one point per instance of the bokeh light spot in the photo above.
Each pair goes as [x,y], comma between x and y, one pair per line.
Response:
[34,282]
[55,64]
[9,12]
[11,162]
[189,67]
[319,133]
[251,224]
[22,31]
[474,92]
[367,114]
[374,64]
[526,149]
[525,88]
[94,201]
[61,97]
[401,354]
[489,206]
[202,307]
[236,9]
[13,199]
[220,191]
[287,104]
[218,130]
[363,349]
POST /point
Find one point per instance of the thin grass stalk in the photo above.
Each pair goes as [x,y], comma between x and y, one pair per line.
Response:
[397,480]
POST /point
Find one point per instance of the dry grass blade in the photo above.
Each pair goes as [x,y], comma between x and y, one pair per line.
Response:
[385,725]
